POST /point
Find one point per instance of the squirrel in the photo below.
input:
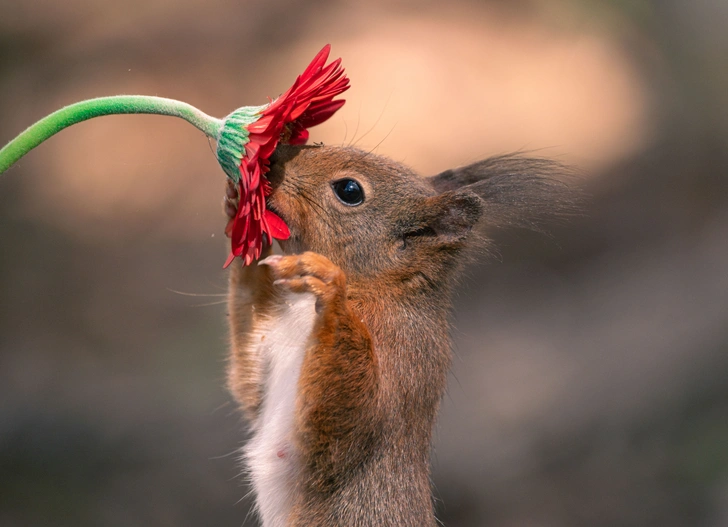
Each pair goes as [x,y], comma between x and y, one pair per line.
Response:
[340,347]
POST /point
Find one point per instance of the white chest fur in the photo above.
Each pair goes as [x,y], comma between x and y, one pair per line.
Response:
[270,455]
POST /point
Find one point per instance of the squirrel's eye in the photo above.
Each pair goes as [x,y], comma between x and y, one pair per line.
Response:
[349,192]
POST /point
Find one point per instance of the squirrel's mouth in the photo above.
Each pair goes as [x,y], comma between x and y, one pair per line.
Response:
[276,210]
[293,244]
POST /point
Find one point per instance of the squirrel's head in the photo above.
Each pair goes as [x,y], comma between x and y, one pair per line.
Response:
[375,217]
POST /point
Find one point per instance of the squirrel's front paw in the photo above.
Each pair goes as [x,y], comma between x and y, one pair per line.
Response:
[307,273]
[230,205]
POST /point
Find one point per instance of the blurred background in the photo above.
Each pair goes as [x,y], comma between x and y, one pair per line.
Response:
[590,385]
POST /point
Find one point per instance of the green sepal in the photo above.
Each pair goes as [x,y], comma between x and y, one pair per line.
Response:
[233,138]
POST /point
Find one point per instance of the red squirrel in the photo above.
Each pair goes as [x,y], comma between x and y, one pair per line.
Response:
[340,347]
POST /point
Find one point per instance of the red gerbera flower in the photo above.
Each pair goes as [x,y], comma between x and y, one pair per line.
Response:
[251,135]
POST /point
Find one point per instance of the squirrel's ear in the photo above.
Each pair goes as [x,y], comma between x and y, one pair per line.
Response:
[516,191]
[446,218]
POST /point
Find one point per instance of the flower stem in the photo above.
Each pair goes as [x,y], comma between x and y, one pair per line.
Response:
[120,104]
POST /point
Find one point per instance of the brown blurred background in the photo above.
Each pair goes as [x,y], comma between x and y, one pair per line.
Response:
[591,380]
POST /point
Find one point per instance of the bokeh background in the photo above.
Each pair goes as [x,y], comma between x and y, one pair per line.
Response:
[590,385]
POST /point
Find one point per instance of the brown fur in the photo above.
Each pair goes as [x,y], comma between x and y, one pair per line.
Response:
[382,272]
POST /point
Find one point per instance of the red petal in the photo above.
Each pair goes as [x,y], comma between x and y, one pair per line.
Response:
[278,228]
[318,61]
[261,124]
[321,113]
[308,102]
[229,260]
[299,137]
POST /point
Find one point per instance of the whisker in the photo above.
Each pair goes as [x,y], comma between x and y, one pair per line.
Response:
[194,294]
[346,133]
[223,405]
[363,155]
[216,286]
[358,120]
[318,208]
[223,456]
[381,114]
[383,139]
[210,304]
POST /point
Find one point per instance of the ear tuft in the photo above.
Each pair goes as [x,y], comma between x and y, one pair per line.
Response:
[516,191]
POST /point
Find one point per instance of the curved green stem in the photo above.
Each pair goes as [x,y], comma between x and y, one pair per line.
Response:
[120,104]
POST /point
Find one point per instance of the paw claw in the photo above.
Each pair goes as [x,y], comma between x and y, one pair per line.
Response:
[230,200]
[231,191]
[271,260]
[230,209]
[307,273]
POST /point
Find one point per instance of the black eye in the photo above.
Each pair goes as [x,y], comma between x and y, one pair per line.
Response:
[349,192]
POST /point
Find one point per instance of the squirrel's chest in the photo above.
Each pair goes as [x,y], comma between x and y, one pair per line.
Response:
[280,344]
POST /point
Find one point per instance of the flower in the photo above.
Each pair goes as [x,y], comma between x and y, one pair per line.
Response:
[249,137]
